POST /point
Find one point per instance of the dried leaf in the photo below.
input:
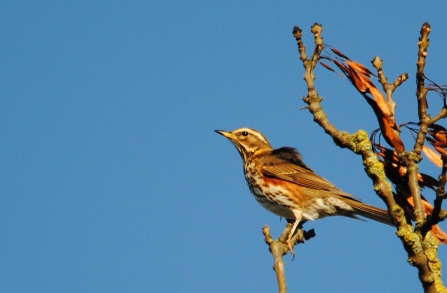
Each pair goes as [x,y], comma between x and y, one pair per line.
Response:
[327,66]
[439,135]
[434,157]
[359,68]
[340,53]
[439,233]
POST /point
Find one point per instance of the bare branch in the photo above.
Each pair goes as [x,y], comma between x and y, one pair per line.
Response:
[389,88]
[279,248]
[421,92]
[441,115]
[413,158]
[298,33]
[400,80]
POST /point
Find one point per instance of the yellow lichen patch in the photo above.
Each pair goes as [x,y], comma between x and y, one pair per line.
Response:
[320,115]
[359,141]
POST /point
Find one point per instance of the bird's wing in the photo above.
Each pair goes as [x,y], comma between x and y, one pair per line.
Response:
[300,174]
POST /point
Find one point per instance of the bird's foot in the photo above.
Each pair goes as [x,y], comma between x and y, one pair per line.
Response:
[291,250]
[290,246]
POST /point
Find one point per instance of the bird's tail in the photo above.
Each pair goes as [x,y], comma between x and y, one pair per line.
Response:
[371,212]
[380,215]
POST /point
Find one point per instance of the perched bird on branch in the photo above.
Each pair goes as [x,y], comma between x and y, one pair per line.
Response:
[284,185]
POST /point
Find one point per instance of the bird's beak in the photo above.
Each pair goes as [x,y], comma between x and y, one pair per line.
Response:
[228,135]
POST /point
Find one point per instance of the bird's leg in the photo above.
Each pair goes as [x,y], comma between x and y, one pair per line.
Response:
[298,216]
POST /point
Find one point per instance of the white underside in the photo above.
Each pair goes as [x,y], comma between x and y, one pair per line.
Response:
[317,209]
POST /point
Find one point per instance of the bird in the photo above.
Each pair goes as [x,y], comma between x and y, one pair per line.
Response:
[284,185]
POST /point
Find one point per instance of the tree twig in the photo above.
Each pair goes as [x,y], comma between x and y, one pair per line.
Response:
[413,158]
[279,248]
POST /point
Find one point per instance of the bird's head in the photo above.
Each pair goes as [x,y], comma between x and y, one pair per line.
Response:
[247,141]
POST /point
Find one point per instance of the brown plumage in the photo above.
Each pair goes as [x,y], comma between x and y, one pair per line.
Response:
[283,184]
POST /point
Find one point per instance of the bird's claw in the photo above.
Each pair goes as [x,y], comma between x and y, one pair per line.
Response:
[289,245]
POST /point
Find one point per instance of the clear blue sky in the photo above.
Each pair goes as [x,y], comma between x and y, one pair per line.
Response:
[113,179]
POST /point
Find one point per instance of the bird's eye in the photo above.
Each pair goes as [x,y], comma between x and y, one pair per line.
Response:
[244,133]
